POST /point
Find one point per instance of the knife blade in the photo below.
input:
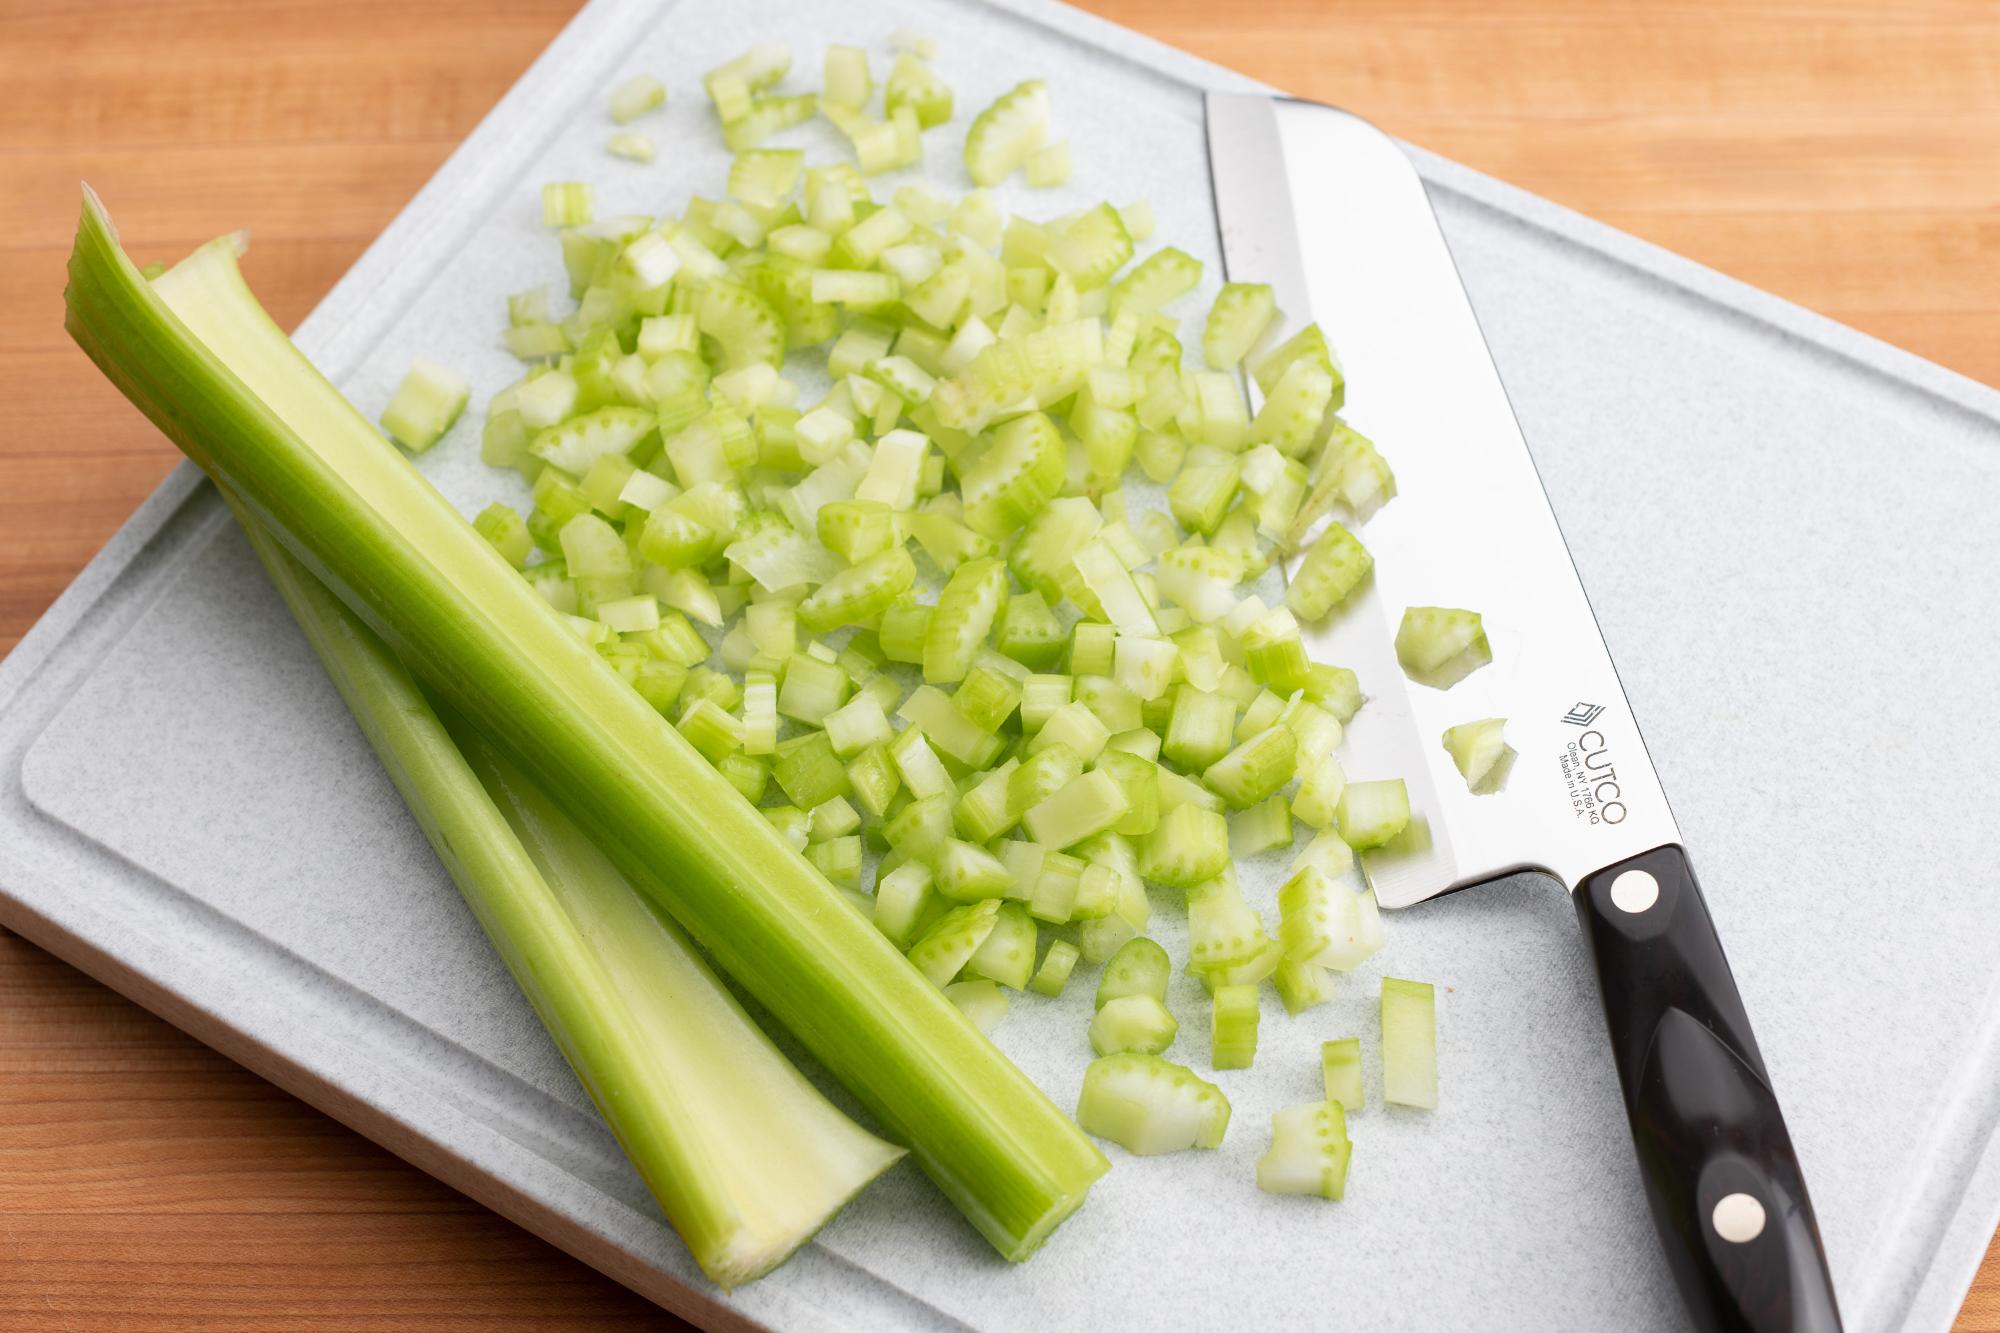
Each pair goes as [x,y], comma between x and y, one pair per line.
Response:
[1330,211]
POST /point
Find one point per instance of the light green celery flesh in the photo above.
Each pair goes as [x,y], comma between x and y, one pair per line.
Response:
[746,1158]
[198,354]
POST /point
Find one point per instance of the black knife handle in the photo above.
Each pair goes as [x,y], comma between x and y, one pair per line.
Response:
[1725,1186]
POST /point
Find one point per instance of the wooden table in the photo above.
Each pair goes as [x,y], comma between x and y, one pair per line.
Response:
[1838,152]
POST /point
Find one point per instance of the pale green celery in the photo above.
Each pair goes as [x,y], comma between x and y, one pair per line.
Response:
[839,859]
[1242,312]
[502,525]
[1132,1023]
[968,873]
[1309,1152]
[1302,985]
[1481,753]
[1321,922]
[1265,826]
[1039,775]
[1319,794]
[1139,967]
[1340,1065]
[1333,567]
[1007,954]
[1049,166]
[1409,1043]
[1160,277]
[949,731]
[987,697]
[1092,649]
[1074,727]
[1325,853]
[1233,1027]
[746,1158]
[921,770]
[1139,779]
[950,943]
[1201,728]
[1005,133]
[922,828]
[1371,813]
[1041,696]
[914,84]
[1255,769]
[1149,1106]
[566,203]
[194,350]
[1087,805]
[811,690]
[961,619]
[424,405]
[985,811]
[983,1002]
[846,81]
[856,725]
[1227,944]
[903,898]
[1189,846]
[1440,646]
[766,177]
[635,97]
[1111,703]
[1054,973]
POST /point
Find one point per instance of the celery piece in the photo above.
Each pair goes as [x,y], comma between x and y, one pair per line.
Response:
[914,84]
[424,406]
[502,526]
[1371,813]
[860,592]
[1201,728]
[966,874]
[1188,848]
[811,690]
[1091,248]
[905,623]
[981,1001]
[1054,973]
[1227,943]
[793,823]
[1263,827]
[635,97]
[1040,775]
[1050,541]
[949,731]
[873,777]
[1160,277]
[1340,1066]
[1481,753]
[746,1158]
[834,818]
[1302,985]
[566,203]
[962,618]
[1255,769]
[922,828]
[1138,779]
[1132,1023]
[1409,1043]
[711,731]
[1318,796]
[986,811]
[1149,1106]
[1007,954]
[1041,696]
[1326,853]
[1087,805]
[1017,475]
[1075,727]
[1439,647]
[1048,166]
[903,897]
[1309,1152]
[1092,649]
[987,697]
[1005,133]
[1111,584]
[846,81]
[1142,743]
[765,177]
[856,725]
[1028,631]
[1140,967]
[950,943]
[1233,1025]
[1333,567]
[839,859]
[922,772]
[805,767]
[857,529]
[1275,652]
[1241,315]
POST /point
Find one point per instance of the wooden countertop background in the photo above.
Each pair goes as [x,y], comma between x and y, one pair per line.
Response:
[1842,153]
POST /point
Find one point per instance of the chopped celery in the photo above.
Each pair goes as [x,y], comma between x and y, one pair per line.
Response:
[1149,1106]
[1007,954]
[1132,1023]
[1139,967]
[424,406]
[1227,943]
[984,1002]
[1048,166]
[966,873]
[914,84]
[1005,133]
[1054,973]
[1439,646]
[1302,985]
[1481,752]
[1040,774]
[1201,728]
[950,943]
[631,145]
[635,97]
[1409,1043]
[1321,922]
[846,81]
[1319,793]
[963,616]
[1263,827]
[1340,1065]
[1234,1027]
[1076,728]
[1087,805]
[1333,567]
[902,898]
[1188,848]
[1254,770]
[1243,311]
[1309,1152]
[566,203]
[1371,813]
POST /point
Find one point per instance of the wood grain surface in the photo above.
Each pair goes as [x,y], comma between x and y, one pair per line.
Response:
[1842,153]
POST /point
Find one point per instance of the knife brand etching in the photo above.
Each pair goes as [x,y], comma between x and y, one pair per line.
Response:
[1589,776]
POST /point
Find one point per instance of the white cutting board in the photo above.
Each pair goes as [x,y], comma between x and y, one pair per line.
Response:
[1787,531]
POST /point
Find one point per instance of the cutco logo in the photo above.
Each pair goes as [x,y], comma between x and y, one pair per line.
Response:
[1590,776]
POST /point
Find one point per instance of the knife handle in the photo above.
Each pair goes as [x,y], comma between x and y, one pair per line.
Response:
[1726,1191]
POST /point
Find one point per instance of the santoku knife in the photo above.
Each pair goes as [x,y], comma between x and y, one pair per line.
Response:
[1330,211]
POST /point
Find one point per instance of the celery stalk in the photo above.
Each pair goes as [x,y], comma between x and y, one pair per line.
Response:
[746,1158]
[195,351]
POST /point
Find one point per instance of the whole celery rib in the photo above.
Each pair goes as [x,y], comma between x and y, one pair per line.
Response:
[197,353]
[745,1156]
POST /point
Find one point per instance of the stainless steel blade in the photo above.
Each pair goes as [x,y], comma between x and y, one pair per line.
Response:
[1330,211]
